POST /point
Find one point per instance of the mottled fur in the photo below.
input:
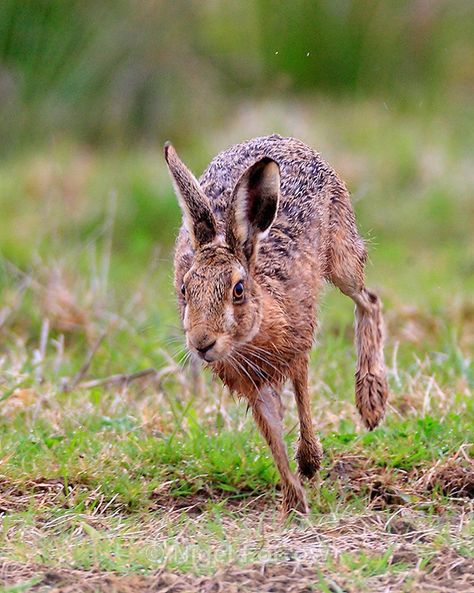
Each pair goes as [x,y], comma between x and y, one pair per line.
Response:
[231,234]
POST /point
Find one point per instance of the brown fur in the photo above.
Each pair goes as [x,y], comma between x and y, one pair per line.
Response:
[271,214]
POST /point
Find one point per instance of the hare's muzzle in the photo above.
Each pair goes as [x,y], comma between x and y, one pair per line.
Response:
[204,349]
[206,346]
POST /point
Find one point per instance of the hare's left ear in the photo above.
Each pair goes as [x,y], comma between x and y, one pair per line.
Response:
[254,206]
[197,212]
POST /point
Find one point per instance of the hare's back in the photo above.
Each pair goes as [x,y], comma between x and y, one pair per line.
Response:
[305,176]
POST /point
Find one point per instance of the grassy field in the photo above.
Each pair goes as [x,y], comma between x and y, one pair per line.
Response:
[123,470]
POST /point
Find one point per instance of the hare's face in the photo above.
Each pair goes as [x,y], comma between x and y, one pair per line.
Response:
[220,304]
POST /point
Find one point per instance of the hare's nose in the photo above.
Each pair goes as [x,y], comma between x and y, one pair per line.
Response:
[202,342]
[203,349]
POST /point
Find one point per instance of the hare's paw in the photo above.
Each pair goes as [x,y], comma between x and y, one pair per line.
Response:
[308,456]
[294,499]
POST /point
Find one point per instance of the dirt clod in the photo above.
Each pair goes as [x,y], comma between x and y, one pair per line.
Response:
[453,479]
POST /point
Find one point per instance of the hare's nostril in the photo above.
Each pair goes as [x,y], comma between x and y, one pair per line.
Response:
[204,349]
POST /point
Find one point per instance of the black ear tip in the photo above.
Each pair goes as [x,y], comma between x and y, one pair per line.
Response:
[267,161]
[267,164]
[274,165]
[263,171]
[166,148]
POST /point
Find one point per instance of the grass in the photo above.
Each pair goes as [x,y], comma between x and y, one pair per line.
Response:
[164,476]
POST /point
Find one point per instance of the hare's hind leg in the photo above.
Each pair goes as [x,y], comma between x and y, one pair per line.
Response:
[345,268]
[309,452]
[267,414]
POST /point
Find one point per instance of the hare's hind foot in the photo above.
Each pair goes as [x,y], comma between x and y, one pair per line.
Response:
[294,499]
[308,456]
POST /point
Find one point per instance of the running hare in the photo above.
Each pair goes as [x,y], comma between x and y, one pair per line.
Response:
[264,226]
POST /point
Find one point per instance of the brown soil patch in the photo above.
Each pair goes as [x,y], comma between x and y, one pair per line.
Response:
[276,578]
[48,492]
[197,503]
[384,488]
[453,478]
[448,566]
[387,488]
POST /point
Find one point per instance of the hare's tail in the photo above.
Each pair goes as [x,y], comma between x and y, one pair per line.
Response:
[345,263]
[371,384]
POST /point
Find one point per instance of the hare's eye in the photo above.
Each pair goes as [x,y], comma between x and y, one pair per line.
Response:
[238,293]
[183,290]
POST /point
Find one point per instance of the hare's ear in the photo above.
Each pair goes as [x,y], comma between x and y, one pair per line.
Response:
[254,206]
[197,213]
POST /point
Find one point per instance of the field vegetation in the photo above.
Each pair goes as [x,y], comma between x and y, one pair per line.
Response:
[125,468]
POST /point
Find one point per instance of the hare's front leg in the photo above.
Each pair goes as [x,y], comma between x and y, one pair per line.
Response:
[267,414]
[309,452]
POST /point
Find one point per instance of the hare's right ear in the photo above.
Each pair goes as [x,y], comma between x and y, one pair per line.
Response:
[197,213]
[254,207]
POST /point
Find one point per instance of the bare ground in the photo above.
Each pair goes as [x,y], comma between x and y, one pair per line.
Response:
[448,572]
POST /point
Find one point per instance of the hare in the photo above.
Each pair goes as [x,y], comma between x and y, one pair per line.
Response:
[265,225]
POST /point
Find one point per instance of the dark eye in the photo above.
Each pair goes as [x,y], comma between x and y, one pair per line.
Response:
[183,290]
[238,293]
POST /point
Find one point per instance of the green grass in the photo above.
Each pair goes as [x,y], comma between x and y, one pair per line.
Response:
[124,461]
[165,473]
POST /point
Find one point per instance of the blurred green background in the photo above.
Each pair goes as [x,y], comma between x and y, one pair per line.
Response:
[119,72]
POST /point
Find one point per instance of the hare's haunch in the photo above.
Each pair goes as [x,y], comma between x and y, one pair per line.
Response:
[266,223]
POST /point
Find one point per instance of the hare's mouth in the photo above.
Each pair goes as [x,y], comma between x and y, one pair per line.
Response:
[212,350]
[211,357]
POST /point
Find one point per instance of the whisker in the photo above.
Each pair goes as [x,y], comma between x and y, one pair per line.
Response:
[259,357]
[264,360]
[178,351]
[246,372]
[185,359]
[173,339]
[231,361]
[274,348]
[255,348]
[233,364]
[260,372]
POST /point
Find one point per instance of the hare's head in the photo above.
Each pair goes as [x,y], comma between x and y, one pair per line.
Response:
[219,298]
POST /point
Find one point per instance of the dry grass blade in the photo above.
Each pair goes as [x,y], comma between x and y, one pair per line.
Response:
[124,378]
[82,372]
